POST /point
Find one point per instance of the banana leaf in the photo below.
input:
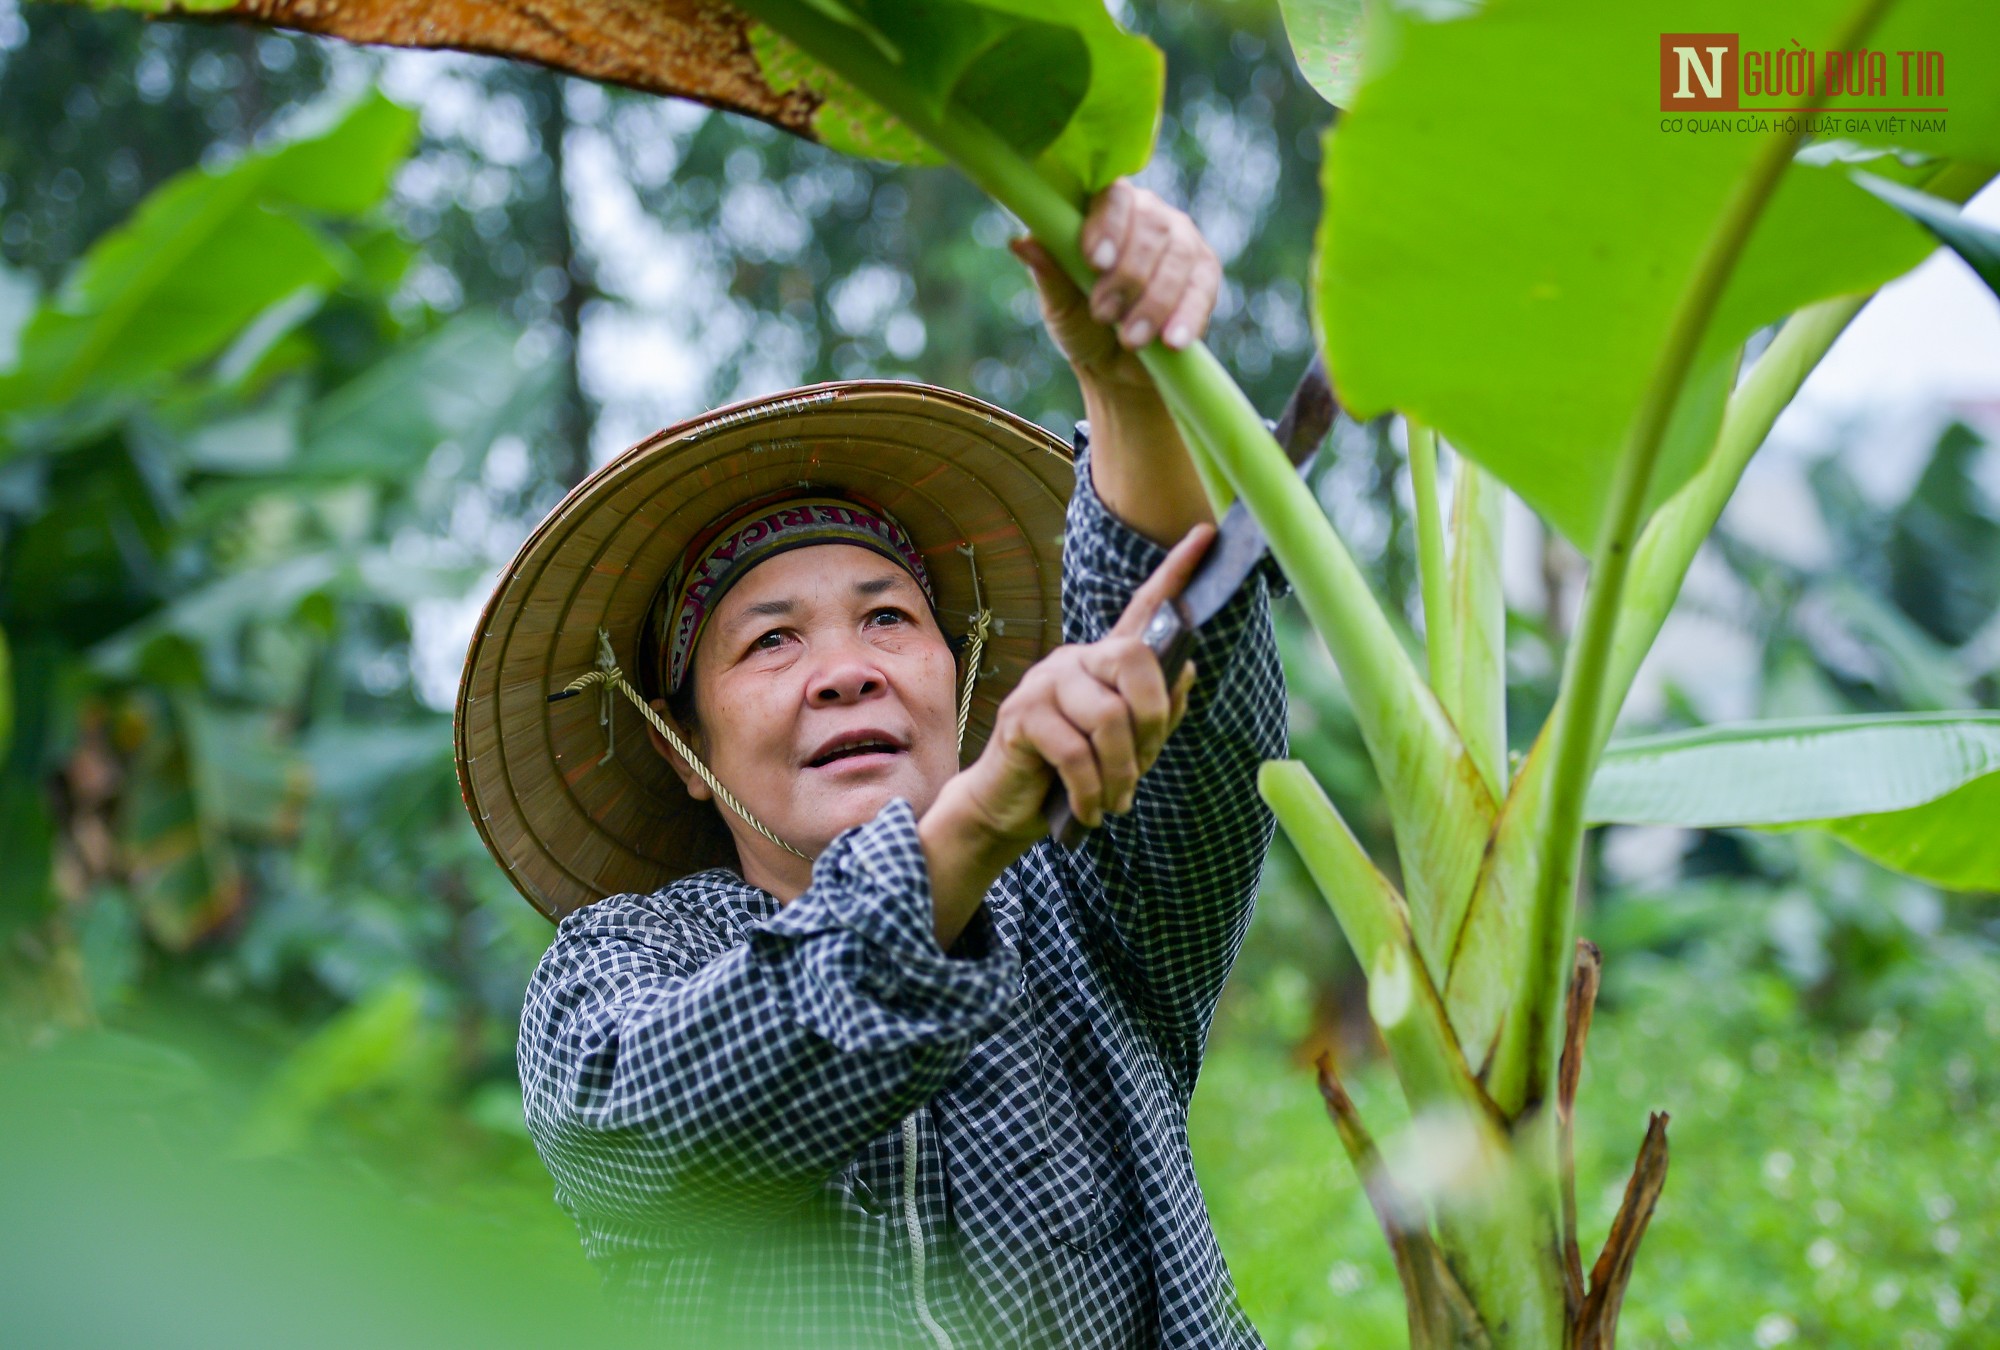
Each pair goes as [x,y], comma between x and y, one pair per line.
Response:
[1058,80]
[1326,42]
[1510,224]
[1978,244]
[1916,792]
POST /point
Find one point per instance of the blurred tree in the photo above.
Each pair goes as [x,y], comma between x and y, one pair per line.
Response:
[215,521]
[97,110]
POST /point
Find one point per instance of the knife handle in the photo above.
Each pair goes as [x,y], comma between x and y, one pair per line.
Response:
[1170,635]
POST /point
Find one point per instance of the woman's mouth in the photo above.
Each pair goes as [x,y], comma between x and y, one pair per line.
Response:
[856,750]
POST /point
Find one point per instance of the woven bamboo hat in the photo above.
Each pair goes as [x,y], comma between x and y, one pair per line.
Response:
[576,808]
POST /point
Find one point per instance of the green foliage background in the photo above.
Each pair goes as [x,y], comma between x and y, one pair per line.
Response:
[258,980]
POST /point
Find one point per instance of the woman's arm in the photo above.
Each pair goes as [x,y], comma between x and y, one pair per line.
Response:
[711,1097]
[1165,890]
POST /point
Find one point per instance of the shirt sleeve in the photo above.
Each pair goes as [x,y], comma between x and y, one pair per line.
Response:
[706,1098]
[1166,890]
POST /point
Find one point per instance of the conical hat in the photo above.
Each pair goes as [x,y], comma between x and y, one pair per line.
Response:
[570,824]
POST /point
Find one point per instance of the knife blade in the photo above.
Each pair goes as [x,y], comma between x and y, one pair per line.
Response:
[1239,545]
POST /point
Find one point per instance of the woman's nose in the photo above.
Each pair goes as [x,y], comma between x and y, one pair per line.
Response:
[845,674]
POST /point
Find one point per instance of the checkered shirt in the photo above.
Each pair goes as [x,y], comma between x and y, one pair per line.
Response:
[805,1125]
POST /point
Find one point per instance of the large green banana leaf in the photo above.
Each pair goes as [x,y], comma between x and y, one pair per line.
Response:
[1917,792]
[1510,221]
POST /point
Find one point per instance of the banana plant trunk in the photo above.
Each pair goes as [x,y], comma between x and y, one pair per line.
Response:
[1449,1308]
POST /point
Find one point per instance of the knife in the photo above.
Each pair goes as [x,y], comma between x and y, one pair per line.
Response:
[1239,545]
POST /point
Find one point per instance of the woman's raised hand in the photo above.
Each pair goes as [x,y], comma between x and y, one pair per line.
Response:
[1157,278]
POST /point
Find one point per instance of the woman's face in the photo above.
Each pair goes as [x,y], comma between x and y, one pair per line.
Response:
[823,688]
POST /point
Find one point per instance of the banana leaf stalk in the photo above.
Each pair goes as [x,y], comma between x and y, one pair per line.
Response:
[1528,1052]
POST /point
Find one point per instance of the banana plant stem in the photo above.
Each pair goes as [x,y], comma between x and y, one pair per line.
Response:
[1534,1030]
[1479,620]
[1430,553]
[1409,737]
[1667,547]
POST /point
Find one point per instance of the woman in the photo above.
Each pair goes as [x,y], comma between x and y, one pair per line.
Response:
[834,1045]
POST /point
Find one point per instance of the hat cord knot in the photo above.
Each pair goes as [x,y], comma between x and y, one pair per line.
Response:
[982,619]
[607,677]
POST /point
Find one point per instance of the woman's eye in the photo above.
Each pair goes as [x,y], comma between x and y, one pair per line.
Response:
[894,616]
[764,642]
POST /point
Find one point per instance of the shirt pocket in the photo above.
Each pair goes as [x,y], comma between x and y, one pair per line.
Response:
[866,1187]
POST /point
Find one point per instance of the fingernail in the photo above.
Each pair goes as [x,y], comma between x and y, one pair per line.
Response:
[1138,333]
[1105,254]
[1177,335]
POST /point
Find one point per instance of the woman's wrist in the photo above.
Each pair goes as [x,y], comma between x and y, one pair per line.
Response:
[1111,403]
[965,855]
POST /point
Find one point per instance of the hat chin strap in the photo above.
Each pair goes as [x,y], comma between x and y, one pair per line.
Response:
[607,677]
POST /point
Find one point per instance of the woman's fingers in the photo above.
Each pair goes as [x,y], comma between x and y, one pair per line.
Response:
[1189,320]
[1180,294]
[1128,666]
[1104,228]
[1065,309]
[1102,715]
[1060,297]
[1163,291]
[1159,278]
[1067,750]
[1099,719]
[1119,289]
